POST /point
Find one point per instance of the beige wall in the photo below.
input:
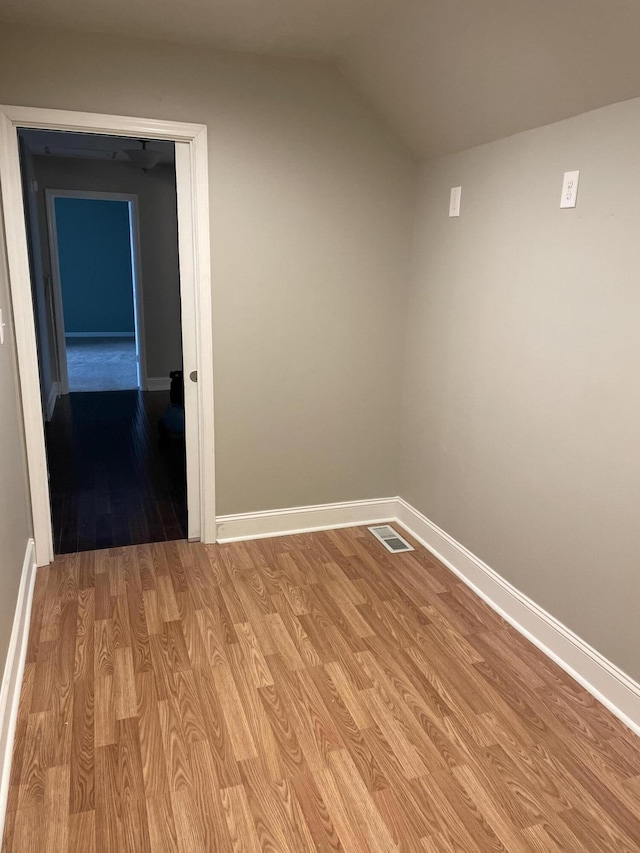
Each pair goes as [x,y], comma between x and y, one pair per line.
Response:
[522,400]
[521,408]
[156,191]
[15,516]
[311,205]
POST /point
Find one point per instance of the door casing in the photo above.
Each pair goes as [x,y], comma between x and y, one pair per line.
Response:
[192,185]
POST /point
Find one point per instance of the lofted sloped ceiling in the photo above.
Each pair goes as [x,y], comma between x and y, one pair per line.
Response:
[447,74]
[306,28]
[451,74]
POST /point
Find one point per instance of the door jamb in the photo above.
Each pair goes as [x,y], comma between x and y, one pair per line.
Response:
[195,285]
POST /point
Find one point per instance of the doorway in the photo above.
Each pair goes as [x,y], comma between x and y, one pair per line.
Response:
[195,301]
[114,478]
[97,290]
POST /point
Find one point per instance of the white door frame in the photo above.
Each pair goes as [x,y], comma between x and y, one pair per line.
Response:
[136,275]
[192,186]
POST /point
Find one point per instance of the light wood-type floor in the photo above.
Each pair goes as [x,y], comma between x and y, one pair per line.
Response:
[302,693]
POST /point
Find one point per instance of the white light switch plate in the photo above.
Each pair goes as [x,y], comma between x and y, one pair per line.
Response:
[2,325]
[569,189]
[454,201]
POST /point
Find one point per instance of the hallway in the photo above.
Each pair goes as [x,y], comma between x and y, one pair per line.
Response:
[101,364]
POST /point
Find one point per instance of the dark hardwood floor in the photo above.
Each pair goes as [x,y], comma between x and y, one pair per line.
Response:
[113,482]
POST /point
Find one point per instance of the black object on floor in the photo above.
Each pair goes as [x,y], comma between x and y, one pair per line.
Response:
[112,481]
[171,424]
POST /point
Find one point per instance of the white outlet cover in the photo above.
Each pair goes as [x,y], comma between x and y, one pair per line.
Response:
[454,201]
[569,195]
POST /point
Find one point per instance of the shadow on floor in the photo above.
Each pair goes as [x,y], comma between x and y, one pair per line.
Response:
[113,481]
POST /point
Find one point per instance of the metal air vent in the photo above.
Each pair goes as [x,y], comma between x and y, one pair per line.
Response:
[391,540]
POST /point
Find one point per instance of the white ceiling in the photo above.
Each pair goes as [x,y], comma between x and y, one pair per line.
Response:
[448,74]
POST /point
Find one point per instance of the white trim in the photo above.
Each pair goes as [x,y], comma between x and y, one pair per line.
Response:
[192,185]
[13,673]
[108,125]
[136,279]
[605,681]
[52,399]
[189,312]
[138,290]
[56,287]
[194,251]
[99,334]
[158,383]
[304,519]
[25,335]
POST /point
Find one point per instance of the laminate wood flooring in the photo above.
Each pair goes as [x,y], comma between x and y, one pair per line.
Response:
[113,482]
[302,693]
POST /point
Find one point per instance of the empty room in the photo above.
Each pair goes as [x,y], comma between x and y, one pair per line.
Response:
[397,608]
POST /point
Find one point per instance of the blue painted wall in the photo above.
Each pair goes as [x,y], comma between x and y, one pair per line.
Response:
[95,265]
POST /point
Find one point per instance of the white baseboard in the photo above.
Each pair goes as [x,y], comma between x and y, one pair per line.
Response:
[158,383]
[13,672]
[303,519]
[52,399]
[100,335]
[605,681]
